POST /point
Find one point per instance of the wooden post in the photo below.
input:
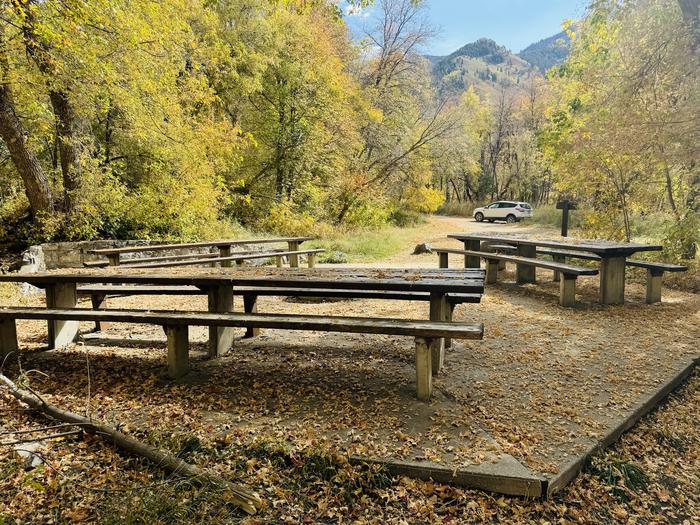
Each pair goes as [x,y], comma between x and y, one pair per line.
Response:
[8,338]
[250,306]
[526,273]
[612,280]
[444,259]
[424,374]
[279,261]
[471,261]
[178,351]
[311,260]
[220,337]
[557,259]
[293,259]
[113,259]
[449,312]
[491,271]
[225,251]
[654,278]
[501,265]
[62,295]
[438,304]
[567,290]
[99,302]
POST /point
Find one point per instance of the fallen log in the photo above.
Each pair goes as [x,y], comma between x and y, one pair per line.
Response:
[238,495]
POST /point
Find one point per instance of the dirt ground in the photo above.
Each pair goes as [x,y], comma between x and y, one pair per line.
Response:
[542,386]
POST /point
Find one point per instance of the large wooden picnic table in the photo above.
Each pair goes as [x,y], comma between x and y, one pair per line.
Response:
[613,256]
[61,288]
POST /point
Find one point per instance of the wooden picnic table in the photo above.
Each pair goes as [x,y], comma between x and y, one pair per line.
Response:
[113,254]
[613,256]
[61,289]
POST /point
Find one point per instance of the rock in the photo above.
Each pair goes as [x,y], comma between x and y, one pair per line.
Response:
[422,248]
[32,262]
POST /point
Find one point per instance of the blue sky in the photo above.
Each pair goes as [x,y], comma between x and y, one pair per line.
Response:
[512,23]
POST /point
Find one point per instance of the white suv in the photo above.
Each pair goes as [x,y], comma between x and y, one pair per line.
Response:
[509,211]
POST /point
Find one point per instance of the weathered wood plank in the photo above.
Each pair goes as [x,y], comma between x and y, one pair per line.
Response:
[404,327]
[225,261]
[567,290]
[231,242]
[652,265]
[449,281]
[612,280]
[438,305]
[654,279]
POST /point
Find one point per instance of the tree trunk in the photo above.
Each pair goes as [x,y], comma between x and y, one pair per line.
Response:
[36,185]
[68,146]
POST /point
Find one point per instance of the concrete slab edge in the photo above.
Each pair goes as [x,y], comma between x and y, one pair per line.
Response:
[528,486]
[574,467]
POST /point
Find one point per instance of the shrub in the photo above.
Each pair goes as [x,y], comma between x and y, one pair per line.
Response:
[682,238]
[459,209]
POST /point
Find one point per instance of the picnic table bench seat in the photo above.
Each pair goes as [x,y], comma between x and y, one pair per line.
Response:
[567,287]
[98,295]
[211,259]
[176,326]
[655,272]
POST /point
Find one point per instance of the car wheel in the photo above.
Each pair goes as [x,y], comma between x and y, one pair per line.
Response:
[479,217]
[511,219]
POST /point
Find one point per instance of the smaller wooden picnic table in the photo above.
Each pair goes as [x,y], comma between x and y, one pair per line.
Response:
[113,254]
[613,256]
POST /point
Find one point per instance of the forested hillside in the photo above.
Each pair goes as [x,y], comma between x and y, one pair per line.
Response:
[184,119]
[548,52]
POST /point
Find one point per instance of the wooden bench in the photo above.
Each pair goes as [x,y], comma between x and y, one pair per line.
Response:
[567,285]
[176,326]
[98,295]
[655,272]
[224,246]
[212,259]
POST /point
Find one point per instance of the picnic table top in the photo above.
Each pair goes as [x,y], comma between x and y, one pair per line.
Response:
[601,247]
[416,280]
[222,243]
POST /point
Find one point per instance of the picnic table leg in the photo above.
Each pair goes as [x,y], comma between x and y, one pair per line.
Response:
[567,290]
[178,351]
[250,306]
[279,261]
[113,259]
[8,337]
[525,273]
[492,271]
[444,260]
[612,280]
[557,274]
[99,302]
[654,286]
[311,260]
[449,313]
[62,295]
[424,373]
[220,337]
[471,261]
[438,305]
[293,259]
[225,251]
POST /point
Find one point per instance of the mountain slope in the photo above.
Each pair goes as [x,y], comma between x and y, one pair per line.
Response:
[484,65]
[548,52]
